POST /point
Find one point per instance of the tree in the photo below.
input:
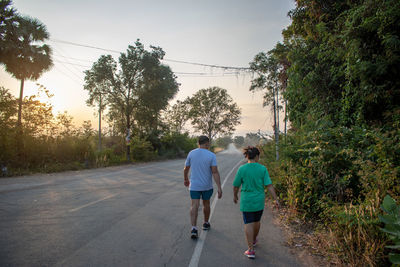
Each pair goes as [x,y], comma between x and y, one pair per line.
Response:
[280,53]
[344,58]
[86,129]
[252,139]
[267,67]
[159,86]
[176,116]
[27,58]
[223,141]
[7,23]
[38,117]
[212,112]
[135,92]
[8,113]
[7,107]
[65,126]
[96,83]
[239,141]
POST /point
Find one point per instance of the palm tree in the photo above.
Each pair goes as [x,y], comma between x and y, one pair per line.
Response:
[7,19]
[27,58]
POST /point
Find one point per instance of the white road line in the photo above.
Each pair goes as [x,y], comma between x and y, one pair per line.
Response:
[91,203]
[194,262]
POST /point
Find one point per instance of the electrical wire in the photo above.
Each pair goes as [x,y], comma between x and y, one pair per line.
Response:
[207,76]
[70,77]
[77,59]
[74,70]
[181,74]
[82,45]
[165,59]
[74,64]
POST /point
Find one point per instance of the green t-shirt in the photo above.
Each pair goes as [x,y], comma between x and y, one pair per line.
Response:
[253,177]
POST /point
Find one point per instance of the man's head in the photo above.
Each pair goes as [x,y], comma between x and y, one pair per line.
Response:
[203,141]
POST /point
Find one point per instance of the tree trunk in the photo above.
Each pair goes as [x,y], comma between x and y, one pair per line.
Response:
[128,139]
[100,124]
[19,138]
[209,137]
[21,93]
[285,120]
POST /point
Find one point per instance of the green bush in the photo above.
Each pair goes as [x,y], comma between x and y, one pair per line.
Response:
[176,144]
[141,149]
[336,177]
[106,157]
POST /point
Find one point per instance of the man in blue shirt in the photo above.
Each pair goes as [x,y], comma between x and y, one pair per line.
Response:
[203,165]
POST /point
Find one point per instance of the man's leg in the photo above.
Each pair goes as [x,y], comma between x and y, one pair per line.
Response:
[194,209]
[206,209]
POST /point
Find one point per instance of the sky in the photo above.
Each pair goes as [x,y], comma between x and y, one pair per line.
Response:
[213,32]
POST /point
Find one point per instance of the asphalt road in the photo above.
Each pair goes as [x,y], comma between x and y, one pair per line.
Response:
[136,215]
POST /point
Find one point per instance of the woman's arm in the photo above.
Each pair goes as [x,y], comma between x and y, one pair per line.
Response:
[271,190]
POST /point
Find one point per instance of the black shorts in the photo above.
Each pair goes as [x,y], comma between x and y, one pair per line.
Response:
[252,216]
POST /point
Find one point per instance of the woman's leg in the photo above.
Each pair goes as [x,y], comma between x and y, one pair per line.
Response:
[256,230]
[249,230]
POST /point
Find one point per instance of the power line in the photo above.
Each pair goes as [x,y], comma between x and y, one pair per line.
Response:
[170,60]
[207,73]
[74,69]
[184,74]
[208,65]
[74,64]
[77,59]
[87,46]
[206,76]
[79,83]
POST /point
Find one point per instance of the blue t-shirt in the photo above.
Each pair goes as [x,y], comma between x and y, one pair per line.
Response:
[200,161]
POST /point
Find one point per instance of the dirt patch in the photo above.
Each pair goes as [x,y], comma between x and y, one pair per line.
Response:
[301,239]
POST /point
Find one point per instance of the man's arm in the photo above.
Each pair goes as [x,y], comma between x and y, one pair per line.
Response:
[217,179]
[186,181]
[235,194]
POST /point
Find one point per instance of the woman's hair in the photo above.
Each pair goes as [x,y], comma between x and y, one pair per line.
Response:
[251,152]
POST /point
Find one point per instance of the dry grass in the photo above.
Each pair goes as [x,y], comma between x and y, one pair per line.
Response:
[301,239]
[355,243]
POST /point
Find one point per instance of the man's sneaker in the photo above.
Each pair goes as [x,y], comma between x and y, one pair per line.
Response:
[206,226]
[250,254]
[193,234]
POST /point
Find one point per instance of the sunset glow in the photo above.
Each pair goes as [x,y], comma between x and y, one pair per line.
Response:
[211,36]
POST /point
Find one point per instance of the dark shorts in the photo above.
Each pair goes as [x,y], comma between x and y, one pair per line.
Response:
[253,216]
[205,195]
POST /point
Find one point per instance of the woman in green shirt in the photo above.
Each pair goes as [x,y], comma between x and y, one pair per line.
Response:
[252,177]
